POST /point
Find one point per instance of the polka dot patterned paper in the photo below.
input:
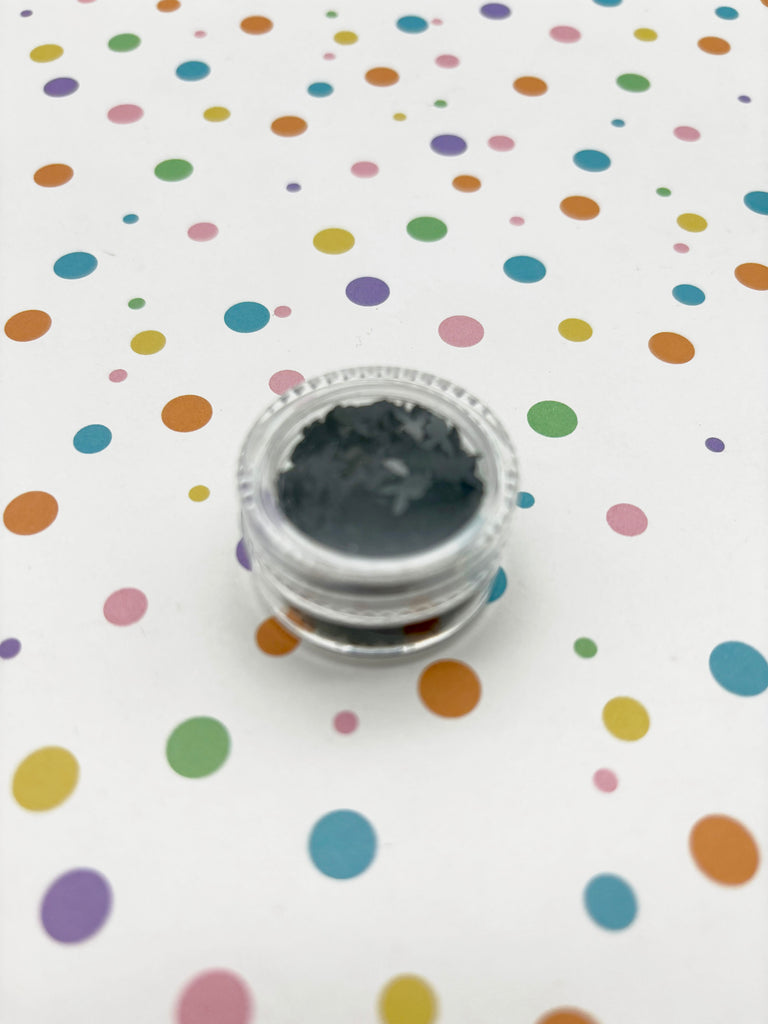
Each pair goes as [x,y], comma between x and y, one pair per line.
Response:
[558,817]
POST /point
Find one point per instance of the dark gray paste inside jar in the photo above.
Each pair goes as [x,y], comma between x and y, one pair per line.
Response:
[380,479]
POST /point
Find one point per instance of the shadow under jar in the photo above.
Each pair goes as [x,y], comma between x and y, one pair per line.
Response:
[375,504]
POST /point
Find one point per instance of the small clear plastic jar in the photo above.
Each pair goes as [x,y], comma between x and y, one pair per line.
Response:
[362,605]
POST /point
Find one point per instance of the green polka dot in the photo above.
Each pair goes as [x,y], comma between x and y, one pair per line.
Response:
[585,648]
[427,229]
[633,83]
[552,419]
[663,192]
[173,170]
[136,303]
[440,103]
[197,747]
[124,42]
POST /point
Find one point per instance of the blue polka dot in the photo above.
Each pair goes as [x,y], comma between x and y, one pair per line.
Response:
[618,122]
[525,269]
[342,844]
[246,317]
[592,160]
[192,71]
[739,668]
[525,500]
[610,902]
[727,13]
[607,3]
[757,202]
[93,438]
[320,89]
[412,23]
[498,586]
[688,294]
[130,218]
[74,265]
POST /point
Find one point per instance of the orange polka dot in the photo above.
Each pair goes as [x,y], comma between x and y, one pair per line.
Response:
[449,688]
[381,76]
[752,275]
[530,86]
[30,512]
[27,325]
[186,413]
[671,348]
[52,175]
[168,5]
[466,183]
[274,639]
[566,1015]
[580,208]
[714,44]
[289,126]
[723,849]
[256,25]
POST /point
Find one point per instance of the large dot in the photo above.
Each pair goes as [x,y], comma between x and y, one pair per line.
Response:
[216,114]
[186,413]
[93,438]
[584,647]
[345,722]
[466,183]
[447,60]
[284,380]
[215,997]
[752,275]
[686,133]
[526,269]
[192,70]
[74,265]
[30,512]
[146,343]
[671,347]
[125,113]
[199,493]
[714,45]
[592,160]
[461,331]
[45,778]
[688,294]
[126,606]
[197,747]
[579,207]
[46,53]
[367,291]
[61,87]
[628,520]
[499,585]
[204,231]
[633,83]
[529,85]
[449,688]
[124,42]
[320,89]
[53,175]
[501,143]
[274,639]
[407,999]
[605,780]
[565,34]
[427,229]
[333,241]
[342,844]
[610,902]
[757,202]
[28,325]
[496,12]
[552,419]
[76,905]
[566,1015]
[448,145]
[289,126]
[723,849]
[381,76]
[626,718]
[256,25]
[739,668]
[692,222]
[246,317]
[173,170]
[412,23]
[364,169]
[573,329]
[727,13]
[345,38]
[9,647]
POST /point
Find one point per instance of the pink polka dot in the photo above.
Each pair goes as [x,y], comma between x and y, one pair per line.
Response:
[681,247]
[605,780]
[125,113]
[565,34]
[215,997]
[284,379]
[282,311]
[202,232]
[447,60]
[628,520]
[117,376]
[125,606]
[517,221]
[345,721]
[329,56]
[686,133]
[437,21]
[501,143]
[364,169]
[461,331]
[85,1]
[200,34]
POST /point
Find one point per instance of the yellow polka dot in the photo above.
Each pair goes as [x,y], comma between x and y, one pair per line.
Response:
[691,222]
[146,343]
[345,38]
[199,492]
[626,718]
[407,999]
[398,117]
[573,329]
[646,35]
[216,114]
[47,52]
[45,778]
[333,241]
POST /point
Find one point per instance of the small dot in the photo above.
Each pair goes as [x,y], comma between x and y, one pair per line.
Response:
[665,192]
[329,56]
[714,444]
[499,586]
[93,438]
[274,639]
[293,186]
[565,34]
[204,231]
[320,89]
[215,997]
[200,34]
[345,722]
[617,122]
[167,6]
[627,520]
[198,493]
[27,14]
[118,376]
[584,647]
[130,218]
[283,380]
[331,14]
[517,221]
[241,553]
[745,99]
[681,247]
[282,311]
[136,303]
[461,331]
[605,780]
[398,117]
[9,648]
[525,500]
[342,844]
[449,688]
[626,719]
[610,902]
[125,607]
[364,169]
[440,103]
[198,747]
[216,114]
[447,60]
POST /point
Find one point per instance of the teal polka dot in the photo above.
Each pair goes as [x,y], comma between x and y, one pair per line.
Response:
[411,23]
[610,902]
[93,438]
[130,218]
[320,89]
[739,668]
[246,317]
[192,71]
[342,844]
[526,269]
[525,500]
[592,160]
[498,587]
[688,294]
[757,202]
[727,13]
[74,265]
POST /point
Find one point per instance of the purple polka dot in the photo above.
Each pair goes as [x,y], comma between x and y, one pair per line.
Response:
[715,444]
[367,291]
[745,99]
[61,87]
[10,648]
[241,553]
[448,145]
[495,11]
[76,905]
[26,14]
[293,186]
